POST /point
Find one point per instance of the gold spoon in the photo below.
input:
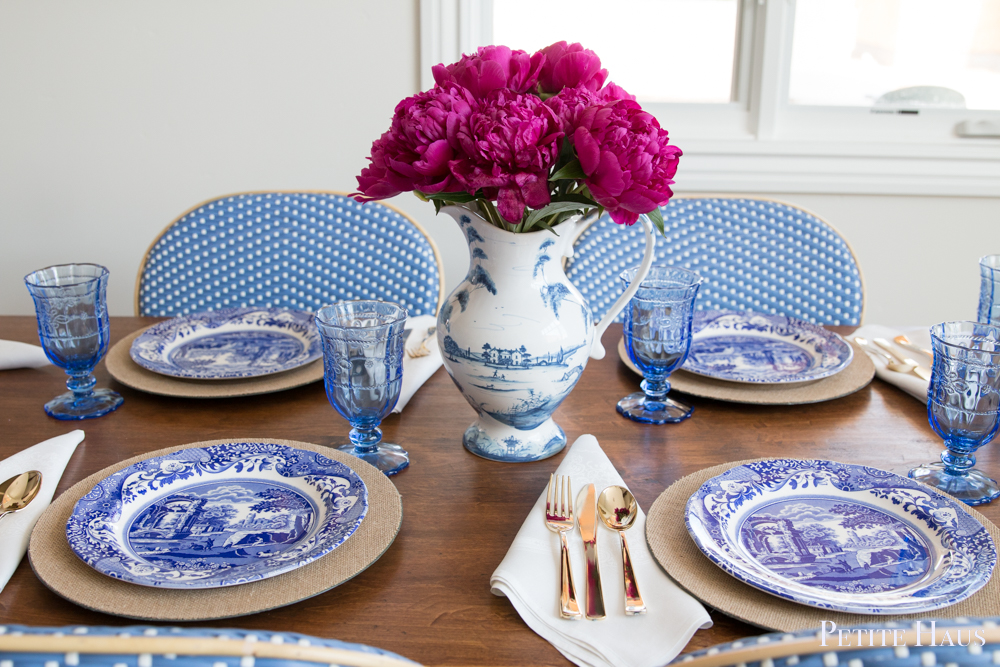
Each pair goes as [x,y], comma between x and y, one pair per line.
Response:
[618,511]
[18,491]
[890,362]
[918,370]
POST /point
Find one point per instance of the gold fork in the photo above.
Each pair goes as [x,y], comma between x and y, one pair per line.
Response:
[559,519]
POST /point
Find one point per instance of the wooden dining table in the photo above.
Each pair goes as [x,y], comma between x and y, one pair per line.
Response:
[428,597]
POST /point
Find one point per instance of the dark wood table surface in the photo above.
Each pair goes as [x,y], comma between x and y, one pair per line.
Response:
[428,597]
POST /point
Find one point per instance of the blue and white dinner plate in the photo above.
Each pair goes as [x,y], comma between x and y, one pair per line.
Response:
[841,537]
[764,349]
[217,516]
[229,343]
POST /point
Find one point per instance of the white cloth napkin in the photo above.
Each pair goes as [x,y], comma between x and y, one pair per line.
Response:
[49,457]
[529,577]
[908,382]
[417,370]
[21,355]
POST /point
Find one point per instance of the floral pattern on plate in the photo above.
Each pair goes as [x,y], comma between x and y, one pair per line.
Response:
[762,348]
[839,536]
[229,343]
[218,516]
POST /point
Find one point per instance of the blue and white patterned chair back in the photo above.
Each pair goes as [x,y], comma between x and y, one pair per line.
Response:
[754,254]
[152,646]
[298,250]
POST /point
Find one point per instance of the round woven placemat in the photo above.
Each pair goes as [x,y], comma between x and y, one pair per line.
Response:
[856,376]
[122,368]
[677,553]
[61,570]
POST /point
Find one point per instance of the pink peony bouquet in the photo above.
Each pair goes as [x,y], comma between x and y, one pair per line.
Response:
[528,139]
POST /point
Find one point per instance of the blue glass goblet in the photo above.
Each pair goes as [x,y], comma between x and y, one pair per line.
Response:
[658,339]
[70,302]
[363,372]
[989,290]
[963,406]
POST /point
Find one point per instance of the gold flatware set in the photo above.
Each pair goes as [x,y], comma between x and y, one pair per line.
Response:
[893,360]
[918,370]
[618,510]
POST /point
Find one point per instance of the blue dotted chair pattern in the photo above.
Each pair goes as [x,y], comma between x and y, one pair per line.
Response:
[235,648]
[294,250]
[754,254]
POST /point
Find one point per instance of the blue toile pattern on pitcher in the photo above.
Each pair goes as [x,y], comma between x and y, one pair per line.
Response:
[515,336]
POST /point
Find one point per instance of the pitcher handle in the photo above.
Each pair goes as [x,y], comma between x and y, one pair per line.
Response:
[597,349]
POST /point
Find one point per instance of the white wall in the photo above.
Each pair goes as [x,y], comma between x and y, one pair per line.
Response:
[116,116]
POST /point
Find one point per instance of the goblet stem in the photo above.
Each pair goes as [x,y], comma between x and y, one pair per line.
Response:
[955,475]
[655,388]
[957,462]
[652,406]
[81,383]
[365,439]
[367,445]
[83,401]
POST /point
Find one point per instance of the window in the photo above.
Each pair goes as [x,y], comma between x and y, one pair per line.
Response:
[850,53]
[839,96]
[649,68]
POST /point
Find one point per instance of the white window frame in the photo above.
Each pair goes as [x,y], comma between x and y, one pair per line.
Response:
[759,142]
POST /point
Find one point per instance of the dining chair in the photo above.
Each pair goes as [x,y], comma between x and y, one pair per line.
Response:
[288,249]
[147,645]
[754,254]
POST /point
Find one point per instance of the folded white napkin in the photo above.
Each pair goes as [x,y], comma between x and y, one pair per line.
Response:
[529,577]
[49,457]
[417,370]
[21,355]
[908,382]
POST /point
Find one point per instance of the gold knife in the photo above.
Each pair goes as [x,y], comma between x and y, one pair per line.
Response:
[588,531]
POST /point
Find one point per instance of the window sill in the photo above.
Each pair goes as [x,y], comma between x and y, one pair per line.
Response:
[969,169]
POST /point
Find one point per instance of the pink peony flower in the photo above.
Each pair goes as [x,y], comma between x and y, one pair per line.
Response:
[511,140]
[627,160]
[613,92]
[569,103]
[570,66]
[416,151]
[492,68]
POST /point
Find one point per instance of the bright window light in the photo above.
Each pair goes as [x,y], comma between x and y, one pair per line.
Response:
[852,52]
[658,50]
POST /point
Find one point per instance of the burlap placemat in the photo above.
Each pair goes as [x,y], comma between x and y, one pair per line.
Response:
[60,569]
[677,553]
[122,368]
[856,376]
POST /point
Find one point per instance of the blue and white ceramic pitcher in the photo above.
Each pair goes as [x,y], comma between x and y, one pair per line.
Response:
[515,335]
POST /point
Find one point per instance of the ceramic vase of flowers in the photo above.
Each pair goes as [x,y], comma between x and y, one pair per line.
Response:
[520,149]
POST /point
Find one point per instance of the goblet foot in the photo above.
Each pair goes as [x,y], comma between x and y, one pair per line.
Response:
[496,441]
[641,408]
[95,404]
[971,487]
[390,459]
